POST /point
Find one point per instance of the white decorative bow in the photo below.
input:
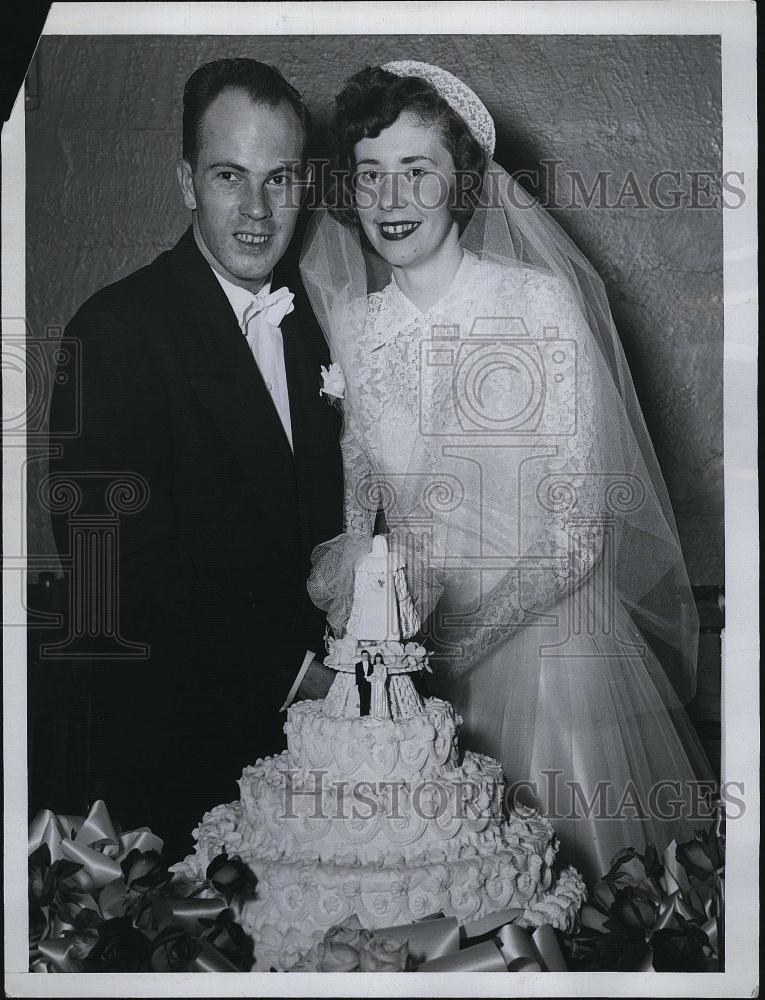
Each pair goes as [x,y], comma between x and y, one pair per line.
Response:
[272,308]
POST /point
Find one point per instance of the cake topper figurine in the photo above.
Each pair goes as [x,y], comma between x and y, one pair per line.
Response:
[363,683]
[380,703]
[373,665]
[382,606]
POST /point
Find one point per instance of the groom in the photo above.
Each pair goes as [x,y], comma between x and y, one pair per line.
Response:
[200,374]
[363,683]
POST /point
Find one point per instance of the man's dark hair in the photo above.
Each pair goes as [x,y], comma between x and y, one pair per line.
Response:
[264,85]
[370,102]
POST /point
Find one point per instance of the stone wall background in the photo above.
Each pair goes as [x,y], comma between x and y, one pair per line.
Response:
[102,197]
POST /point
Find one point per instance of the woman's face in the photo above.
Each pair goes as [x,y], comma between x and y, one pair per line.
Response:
[403,182]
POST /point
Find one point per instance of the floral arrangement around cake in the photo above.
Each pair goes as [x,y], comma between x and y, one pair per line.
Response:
[373,842]
[105,901]
[649,912]
[659,912]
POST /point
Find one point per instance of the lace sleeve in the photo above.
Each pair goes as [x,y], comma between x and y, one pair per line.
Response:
[331,580]
[359,490]
[410,619]
[509,605]
[570,547]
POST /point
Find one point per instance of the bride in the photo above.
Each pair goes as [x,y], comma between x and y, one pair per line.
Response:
[490,415]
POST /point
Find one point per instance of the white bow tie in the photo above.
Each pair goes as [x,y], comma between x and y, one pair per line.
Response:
[270,308]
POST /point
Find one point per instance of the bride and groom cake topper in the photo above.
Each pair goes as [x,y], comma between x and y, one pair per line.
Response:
[372,685]
[540,550]
[382,614]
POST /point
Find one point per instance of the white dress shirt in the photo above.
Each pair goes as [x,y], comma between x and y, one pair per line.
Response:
[266,345]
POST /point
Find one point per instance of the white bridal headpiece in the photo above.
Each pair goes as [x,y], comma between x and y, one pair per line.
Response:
[457,95]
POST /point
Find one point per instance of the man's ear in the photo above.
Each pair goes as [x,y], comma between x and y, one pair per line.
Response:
[186,181]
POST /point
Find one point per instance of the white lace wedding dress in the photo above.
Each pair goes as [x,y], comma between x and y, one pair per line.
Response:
[480,427]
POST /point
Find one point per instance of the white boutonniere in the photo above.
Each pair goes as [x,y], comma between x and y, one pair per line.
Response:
[333,382]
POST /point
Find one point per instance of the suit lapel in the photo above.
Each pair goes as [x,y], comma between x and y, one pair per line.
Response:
[315,424]
[303,383]
[226,379]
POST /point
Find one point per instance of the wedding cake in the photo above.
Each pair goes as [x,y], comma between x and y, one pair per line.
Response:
[372,809]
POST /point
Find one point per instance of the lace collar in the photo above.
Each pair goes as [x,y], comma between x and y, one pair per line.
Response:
[397,313]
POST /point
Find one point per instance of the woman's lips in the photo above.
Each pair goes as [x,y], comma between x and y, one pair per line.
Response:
[397,230]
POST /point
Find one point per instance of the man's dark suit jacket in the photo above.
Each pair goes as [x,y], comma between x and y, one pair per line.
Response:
[212,570]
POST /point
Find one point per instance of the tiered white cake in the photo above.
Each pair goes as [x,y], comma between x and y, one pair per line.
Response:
[379,814]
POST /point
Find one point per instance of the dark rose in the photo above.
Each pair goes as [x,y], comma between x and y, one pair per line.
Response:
[340,949]
[652,863]
[603,895]
[383,954]
[86,919]
[38,922]
[231,877]
[231,940]
[334,956]
[173,950]
[82,943]
[120,948]
[144,870]
[701,857]
[682,951]
[39,863]
[634,910]
[620,954]
[36,883]
[46,879]
[621,858]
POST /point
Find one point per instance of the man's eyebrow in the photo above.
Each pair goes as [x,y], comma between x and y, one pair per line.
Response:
[229,166]
[293,165]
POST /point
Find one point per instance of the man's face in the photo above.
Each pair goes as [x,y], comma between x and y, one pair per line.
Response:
[244,186]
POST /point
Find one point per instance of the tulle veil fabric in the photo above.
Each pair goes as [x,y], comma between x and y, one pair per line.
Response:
[541,547]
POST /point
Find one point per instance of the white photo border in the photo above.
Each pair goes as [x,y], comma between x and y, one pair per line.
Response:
[735,22]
